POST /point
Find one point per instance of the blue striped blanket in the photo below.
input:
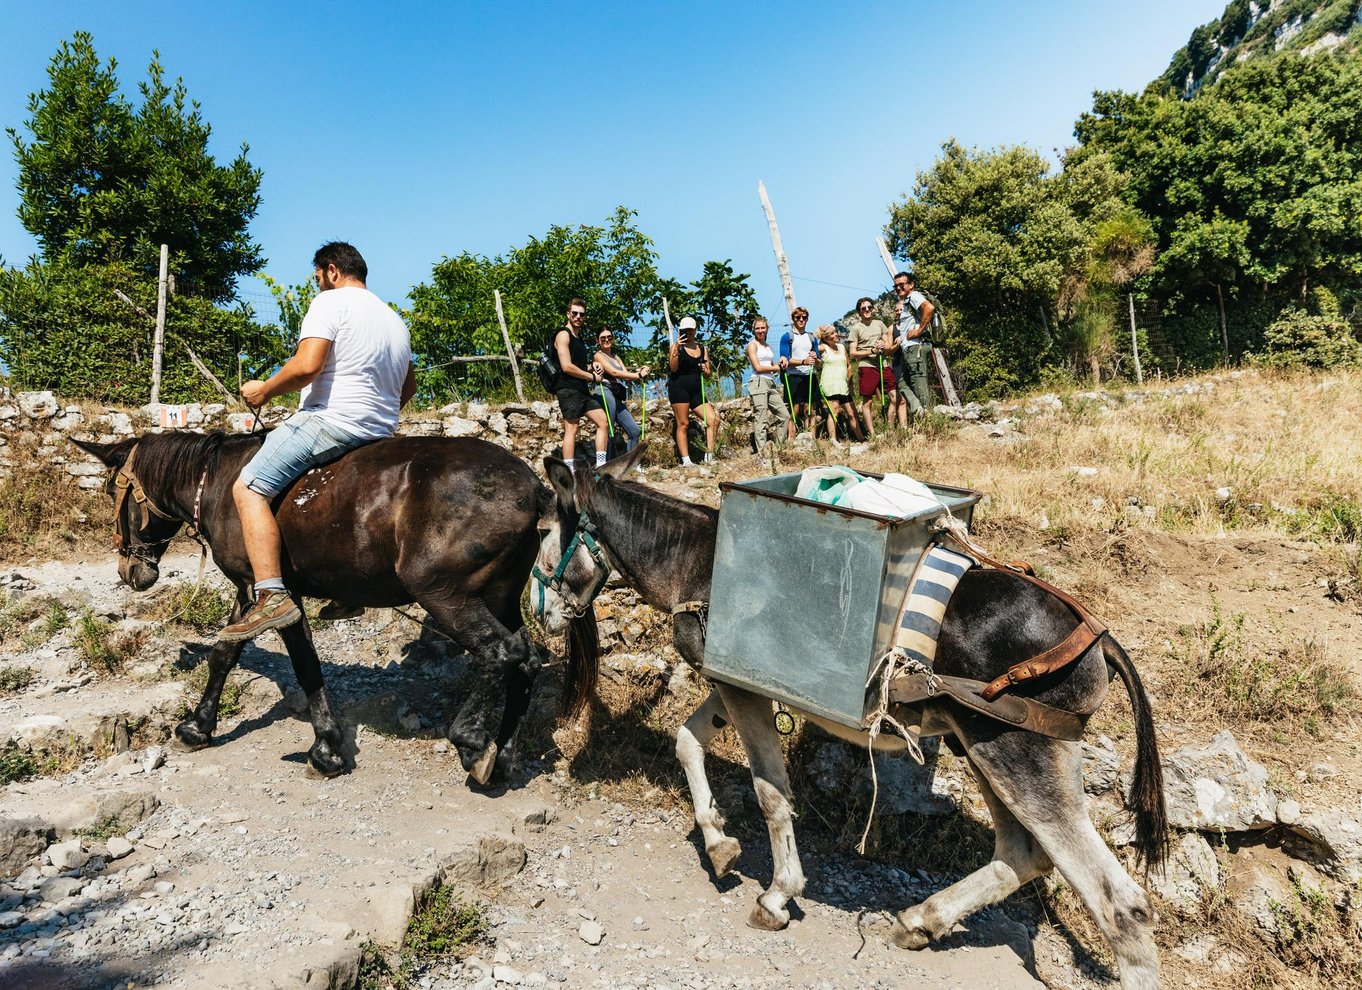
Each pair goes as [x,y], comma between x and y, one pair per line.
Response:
[934,582]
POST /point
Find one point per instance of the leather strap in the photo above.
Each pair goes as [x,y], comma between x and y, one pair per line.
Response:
[1073,646]
[1013,710]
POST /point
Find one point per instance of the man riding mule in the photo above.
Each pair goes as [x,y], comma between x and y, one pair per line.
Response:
[449,523]
[1032,783]
[353,365]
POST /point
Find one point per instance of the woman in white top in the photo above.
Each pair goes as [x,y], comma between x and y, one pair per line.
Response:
[763,389]
[835,379]
[616,392]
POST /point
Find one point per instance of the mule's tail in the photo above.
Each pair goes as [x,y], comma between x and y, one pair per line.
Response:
[1146,789]
[583,664]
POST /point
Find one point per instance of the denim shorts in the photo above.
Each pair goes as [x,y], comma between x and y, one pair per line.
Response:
[300,442]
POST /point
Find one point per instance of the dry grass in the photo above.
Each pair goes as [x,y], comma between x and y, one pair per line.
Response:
[42,512]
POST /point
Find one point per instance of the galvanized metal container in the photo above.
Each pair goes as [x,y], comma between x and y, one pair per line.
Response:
[805,595]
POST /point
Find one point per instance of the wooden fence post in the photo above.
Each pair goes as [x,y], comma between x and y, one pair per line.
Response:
[782,264]
[1134,341]
[160,340]
[510,351]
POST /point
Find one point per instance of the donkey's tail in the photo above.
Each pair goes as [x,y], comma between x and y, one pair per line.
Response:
[1146,801]
[583,664]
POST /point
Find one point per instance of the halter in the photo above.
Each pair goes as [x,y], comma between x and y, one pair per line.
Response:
[126,483]
[585,534]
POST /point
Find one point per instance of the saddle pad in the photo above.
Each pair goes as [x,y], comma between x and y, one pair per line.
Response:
[933,584]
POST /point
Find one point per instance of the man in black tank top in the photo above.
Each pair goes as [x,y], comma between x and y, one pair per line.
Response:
[577,386]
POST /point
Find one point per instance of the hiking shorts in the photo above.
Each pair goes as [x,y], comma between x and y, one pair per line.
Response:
[574,402]
[302,441]
[868,381]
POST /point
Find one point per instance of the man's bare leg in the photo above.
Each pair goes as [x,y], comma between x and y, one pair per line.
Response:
[259,531]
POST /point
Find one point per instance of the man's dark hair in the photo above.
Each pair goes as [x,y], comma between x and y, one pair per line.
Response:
[576,301]
[912,279]
[864,299]
[347,260]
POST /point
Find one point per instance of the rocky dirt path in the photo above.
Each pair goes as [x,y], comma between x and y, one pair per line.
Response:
[235,866]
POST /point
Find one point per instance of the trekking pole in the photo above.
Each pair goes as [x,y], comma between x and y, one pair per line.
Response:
[883,400]
[643,430]
[789,397]
[609,420]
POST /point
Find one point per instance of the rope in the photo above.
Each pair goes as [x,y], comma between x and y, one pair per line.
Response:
[889,666]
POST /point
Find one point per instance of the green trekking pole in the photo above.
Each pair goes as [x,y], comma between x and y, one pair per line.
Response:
[789,396]
[883,400]
[643,430]
[609,420]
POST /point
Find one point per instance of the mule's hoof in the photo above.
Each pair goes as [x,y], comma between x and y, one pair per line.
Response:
[723,856]
[325,762]
[481,770]
[191,737]
[766,920]
[910,938]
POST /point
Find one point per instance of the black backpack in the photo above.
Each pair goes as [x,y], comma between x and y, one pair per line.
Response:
[547,368]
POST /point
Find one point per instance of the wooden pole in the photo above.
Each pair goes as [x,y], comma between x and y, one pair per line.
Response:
[1134,342]
[782,265]
[667,315]
[510,351]
[160,340]
[938,359]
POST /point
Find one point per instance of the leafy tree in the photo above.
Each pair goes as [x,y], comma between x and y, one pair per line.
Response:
[63,327]
[1253,185]
[725,306]
[612,267]
[996,236]
[103,182]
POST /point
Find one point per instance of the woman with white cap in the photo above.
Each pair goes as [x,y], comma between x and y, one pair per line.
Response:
[688,361]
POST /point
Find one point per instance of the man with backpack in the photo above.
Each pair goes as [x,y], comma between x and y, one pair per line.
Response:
[913,342]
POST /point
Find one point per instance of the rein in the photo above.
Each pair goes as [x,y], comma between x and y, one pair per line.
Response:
[585,535]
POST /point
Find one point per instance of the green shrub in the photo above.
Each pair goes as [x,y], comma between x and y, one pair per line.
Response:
[17,765]
[1296,339]
[95,642]
[14,678]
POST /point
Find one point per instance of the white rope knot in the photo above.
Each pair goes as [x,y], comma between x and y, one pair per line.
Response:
[893,664]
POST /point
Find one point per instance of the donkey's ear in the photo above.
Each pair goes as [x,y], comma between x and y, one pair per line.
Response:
[112,454]
[622,465]
[561,478]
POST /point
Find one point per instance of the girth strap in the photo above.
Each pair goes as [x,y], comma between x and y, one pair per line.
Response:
[1023,713]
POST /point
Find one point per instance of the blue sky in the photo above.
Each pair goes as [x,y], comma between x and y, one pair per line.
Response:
[420,130]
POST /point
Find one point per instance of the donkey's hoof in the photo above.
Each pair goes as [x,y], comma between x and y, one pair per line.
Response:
[481,770]
[191,737]
[910,938]
[325,761]
[766,920]
[723,856]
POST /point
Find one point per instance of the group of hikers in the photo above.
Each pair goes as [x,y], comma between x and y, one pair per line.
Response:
[808,382]
[353,367]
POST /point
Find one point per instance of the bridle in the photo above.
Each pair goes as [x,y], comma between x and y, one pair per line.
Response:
[585,535]
[127,484]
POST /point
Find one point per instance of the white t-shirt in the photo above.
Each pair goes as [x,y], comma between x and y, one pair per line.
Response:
[801,346]
[908,318]
[360,386]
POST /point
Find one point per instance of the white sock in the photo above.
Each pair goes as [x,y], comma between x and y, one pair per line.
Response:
[685,462]
[600,458]
[709,458]
[572,466]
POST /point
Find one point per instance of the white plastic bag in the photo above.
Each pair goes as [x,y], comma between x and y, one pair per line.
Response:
[897,495]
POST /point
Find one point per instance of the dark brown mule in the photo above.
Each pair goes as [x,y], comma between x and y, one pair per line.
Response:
[451,524]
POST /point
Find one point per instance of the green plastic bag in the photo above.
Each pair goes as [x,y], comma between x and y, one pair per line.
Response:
[828,485]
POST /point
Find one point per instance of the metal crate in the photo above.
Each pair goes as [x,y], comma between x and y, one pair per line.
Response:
[805,595]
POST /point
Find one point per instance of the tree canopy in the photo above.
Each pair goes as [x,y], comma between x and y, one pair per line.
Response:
[103,181]
[613,267]
[997,235]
